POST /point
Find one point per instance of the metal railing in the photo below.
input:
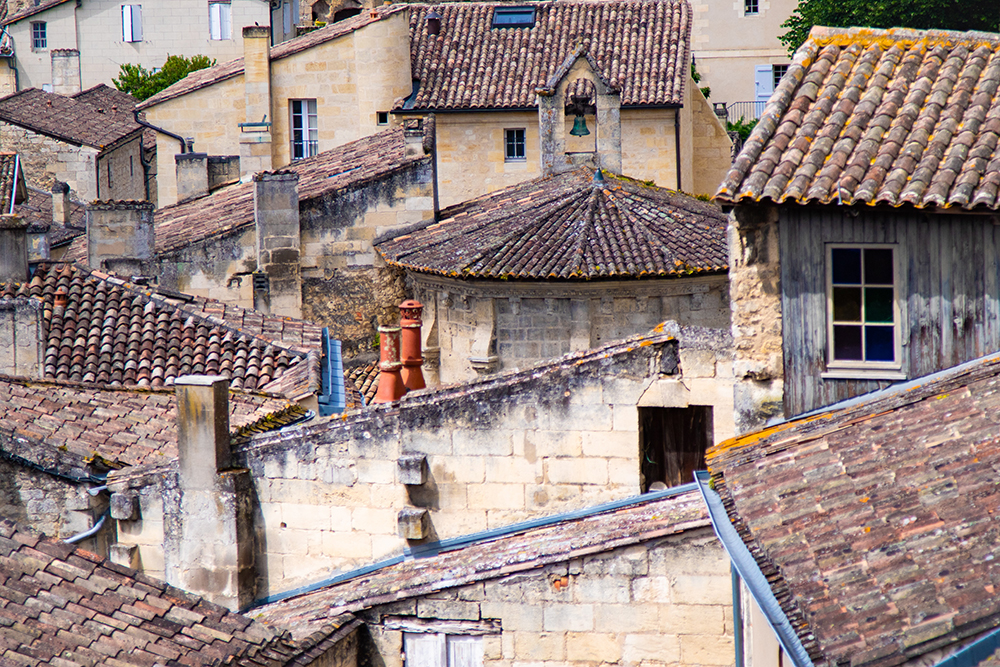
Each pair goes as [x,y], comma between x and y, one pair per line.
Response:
[304,149]
[745,110]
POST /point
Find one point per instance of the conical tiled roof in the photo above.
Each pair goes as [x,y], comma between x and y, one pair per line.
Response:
[569,227]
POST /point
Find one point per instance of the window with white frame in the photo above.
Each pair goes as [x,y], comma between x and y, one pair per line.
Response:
[131,23]
[751,7]
[513,140]
[863,312]
[305,129]
[220,22]
[39,35]
[425,649]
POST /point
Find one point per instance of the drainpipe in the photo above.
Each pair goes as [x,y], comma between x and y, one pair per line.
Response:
[161,131]
[677,144]
[88,533]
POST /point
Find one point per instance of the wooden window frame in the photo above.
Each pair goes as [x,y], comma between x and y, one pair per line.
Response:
[309,114]
[39,36]
[859,369]
[511,155]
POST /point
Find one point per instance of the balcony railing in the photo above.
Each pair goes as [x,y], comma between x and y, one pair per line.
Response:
[304,149]
[744,110]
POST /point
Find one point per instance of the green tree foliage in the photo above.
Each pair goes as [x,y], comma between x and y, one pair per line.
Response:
[705,90]
[743,127]
[923,14]
[142,84]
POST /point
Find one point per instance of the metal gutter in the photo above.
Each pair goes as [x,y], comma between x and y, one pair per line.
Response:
[89,533]
[737,616]
[135,114]
[13,185]
[435,548]
[747,569]
[974,653]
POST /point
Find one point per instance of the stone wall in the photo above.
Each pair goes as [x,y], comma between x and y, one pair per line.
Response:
[560,436]
[711,148]
[127,178]
[46,160]
[662,602]
[755,288]
[524,323]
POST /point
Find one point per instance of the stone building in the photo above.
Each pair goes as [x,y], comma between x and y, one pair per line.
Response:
[558,264]
[335,494]
[64,46]
[97,151]
[487,117]
[639,582]
[863,251]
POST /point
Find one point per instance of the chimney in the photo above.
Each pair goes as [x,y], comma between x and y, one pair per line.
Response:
[255,133]
[120,237]
[433,23]
[61,207]
[13,249]
[276,216]
[66,72]
[192,175]
[390,379]
[413,137]
[22,345]
[212,554]
[39,249]
[409,322]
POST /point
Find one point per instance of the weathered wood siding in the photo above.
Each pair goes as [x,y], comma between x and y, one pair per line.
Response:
[949,275]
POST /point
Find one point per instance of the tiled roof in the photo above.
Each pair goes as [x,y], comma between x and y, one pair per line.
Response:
[62,605]
[13,189]
[879,117]
[876,523]
[569,226]
[67,119]
[365,380]
[128,427]
[37,210]
[227,70]
[32,10]
[116,334]
[110,100]
[640,46]
[520,551]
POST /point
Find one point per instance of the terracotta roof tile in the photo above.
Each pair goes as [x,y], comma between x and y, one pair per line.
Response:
[875,521]
[62,605]
[365,380]
[68,119]
[116,334]
[229,69]
[896,117]
[32,10]
[641,47]
[569,227]
[486,559]
[111,100]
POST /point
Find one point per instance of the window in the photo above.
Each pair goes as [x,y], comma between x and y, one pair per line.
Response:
[862,307]
[514,17]
[39,35]
[751,7]
[382,118]
[131,23]
[305,132]
[513,140]
[220,23]
[672,443]
[777,72]
[441,650]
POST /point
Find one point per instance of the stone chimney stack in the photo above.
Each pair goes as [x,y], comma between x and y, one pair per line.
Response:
[212,554]
[66,72]
[413,137]
[192,175]
[20,318]
[13,249]
[255,135]
[61,207]
[120,237]
[278,282]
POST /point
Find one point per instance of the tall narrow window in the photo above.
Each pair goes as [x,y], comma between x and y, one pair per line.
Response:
[305,130]
[862,307]
[513,140]
[39,35]
[777,73]
[672,443]
[220,23]
[131,23]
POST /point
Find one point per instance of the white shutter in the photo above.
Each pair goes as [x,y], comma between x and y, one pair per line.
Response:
[465,651]
[763,82]
[131,23]
[136,23]
[226,20]
[287,23]
[126,23]
[424,650]
[215,20]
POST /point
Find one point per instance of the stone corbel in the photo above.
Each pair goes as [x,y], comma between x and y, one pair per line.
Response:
[484,359]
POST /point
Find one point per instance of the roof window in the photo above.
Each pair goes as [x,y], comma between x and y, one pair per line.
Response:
[514,17]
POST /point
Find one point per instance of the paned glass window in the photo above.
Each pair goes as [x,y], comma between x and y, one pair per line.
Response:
[39,35]
[777,72]
[513,140]
[862,310]
[305,129]
[514,17]
[751,7]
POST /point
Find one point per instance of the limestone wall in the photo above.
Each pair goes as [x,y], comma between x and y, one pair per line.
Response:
[755,287]
[34,66]
[711,147]
[663,602]
[127,180]
[46,160]
[560,437]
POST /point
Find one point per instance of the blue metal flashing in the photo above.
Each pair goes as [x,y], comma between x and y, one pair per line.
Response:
[750,573]
[974,653]
[434,548]
[333,394]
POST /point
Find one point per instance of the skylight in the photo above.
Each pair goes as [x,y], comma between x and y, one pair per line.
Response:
[514,17]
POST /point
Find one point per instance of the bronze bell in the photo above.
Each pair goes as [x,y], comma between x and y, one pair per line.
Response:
[579,126]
